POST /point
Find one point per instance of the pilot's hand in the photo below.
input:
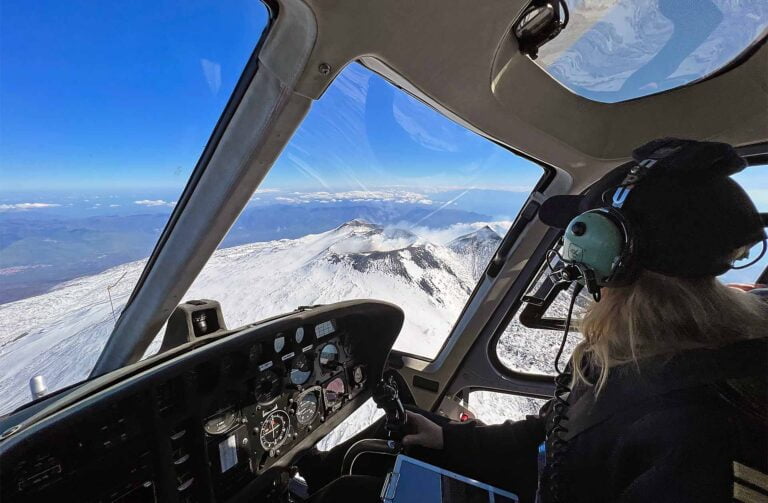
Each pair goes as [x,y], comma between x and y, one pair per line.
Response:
[423,432]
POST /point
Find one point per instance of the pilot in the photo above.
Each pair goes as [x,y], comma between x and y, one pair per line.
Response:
[666,397]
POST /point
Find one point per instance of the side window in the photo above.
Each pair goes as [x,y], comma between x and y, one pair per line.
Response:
[494,407]
[360,419]
[376,196]
[532,349]
[755,182]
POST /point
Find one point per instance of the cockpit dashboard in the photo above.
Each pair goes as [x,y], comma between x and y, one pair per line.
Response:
[221,421]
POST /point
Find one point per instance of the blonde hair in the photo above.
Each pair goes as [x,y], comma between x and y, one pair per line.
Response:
[660,314]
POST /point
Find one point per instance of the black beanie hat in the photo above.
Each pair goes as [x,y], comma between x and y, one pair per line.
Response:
[688,216]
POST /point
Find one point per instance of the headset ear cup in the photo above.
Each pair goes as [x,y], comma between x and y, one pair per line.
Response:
[626,269]
[595,240]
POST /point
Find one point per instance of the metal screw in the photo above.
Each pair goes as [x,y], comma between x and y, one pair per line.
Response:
[324,68]
[245,441]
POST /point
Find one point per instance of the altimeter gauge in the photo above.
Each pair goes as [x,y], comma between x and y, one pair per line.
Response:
[307,407]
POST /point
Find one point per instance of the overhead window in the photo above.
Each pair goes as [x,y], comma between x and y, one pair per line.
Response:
[613,51]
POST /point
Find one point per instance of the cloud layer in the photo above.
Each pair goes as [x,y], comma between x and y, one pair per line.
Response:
[26,206]
[391,196]
[155,202]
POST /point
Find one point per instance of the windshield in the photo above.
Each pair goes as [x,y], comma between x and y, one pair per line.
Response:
[106,108]
[615,50]
[376,196]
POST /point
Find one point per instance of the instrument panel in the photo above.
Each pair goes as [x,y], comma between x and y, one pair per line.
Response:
[215,424]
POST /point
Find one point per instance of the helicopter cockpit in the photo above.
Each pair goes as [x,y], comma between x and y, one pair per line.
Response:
[360,234]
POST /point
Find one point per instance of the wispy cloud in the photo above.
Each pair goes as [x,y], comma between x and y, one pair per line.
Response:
[212,73]
[26,206]
[444,235]
[155,202]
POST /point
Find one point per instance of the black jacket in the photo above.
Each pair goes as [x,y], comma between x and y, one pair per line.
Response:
[690,428]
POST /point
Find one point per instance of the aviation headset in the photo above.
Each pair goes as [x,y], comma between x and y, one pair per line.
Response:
[600,246]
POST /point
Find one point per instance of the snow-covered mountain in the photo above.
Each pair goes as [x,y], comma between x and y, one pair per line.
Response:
[430,281]
[476,248]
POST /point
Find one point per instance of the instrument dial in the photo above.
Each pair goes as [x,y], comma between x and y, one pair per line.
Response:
[279,344]
[329,355]
[274,430]
[358,375]
[299,335]
[267,387]
[301,369]
[334,392]
[220,423]
[307,407]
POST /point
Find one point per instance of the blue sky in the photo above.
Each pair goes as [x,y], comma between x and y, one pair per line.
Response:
[116,94]
[122,96]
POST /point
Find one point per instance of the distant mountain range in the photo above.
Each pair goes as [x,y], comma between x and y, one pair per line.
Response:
[37,254]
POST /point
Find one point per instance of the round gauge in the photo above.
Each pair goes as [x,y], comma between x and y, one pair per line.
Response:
[306,408]
[279,344]
[301,369]
[220,423]
[329,355]
[357,374]
[267,387]
[299,336]
[334,392]
[274,429]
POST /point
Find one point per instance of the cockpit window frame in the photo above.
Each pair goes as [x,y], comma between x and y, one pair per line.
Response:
[249,72]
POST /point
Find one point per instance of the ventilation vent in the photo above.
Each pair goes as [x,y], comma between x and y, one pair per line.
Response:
[181,442]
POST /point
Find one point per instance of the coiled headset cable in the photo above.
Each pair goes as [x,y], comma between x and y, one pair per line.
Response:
[557,444]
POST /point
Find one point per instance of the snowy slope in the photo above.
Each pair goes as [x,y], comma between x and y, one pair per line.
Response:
[476,248]
[356,260]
